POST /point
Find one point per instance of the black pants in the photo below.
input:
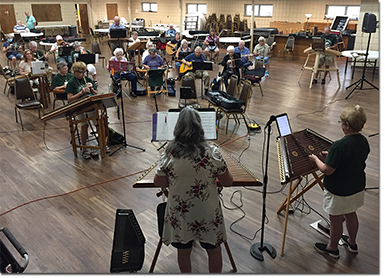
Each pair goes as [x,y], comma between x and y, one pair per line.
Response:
[227,74]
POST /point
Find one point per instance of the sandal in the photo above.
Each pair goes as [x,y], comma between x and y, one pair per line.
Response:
[108,149]
[86,155]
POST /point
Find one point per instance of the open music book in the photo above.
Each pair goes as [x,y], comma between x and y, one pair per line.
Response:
[163,124]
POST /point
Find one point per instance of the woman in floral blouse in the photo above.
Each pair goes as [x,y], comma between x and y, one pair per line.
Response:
[190,167]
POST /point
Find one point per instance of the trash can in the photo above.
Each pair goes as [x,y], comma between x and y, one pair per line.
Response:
[72,30]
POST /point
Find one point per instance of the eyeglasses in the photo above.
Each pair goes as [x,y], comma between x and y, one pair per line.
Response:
[81,71]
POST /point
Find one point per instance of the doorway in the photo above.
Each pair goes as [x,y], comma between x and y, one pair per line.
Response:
[7,18]
[82,18]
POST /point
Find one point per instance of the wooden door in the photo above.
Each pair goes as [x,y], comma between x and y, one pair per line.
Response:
[7,18]
[84,18]
[112,11]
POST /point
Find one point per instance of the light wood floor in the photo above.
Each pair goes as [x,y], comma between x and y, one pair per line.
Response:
[73,233]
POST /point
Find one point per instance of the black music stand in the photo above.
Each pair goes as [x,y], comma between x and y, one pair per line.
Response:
[205,65]
[65,50]
[87,58]
[124,144]
[118,33]
[257,248]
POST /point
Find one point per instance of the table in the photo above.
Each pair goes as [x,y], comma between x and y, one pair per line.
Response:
[62,28]
[101,30]
[28,35]
[359,55]
[43,86]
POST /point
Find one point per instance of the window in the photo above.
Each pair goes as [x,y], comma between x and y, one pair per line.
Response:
[352,11]
[197,8]
[259,10]
[149,7]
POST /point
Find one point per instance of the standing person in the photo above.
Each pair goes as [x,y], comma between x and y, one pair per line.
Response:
[262,51]
[211,43]
[78,86]
[189,167]
[344,181]
[331,42]
[11,50]
[230,65]
[130,76]
[171,31]
[90,67]
[182,49]
[30,20]
[115,25]
[60,80]
[244,52]
[197,56]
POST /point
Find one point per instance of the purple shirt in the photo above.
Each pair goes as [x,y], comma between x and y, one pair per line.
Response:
[153,63]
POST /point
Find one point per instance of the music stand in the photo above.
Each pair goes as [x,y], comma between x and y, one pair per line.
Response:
[118,33]
[124,144]
[186,93]
[87,58]
[65,50]
[121,66]
[205,65]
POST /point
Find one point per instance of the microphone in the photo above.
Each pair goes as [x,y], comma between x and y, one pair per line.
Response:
[272,119]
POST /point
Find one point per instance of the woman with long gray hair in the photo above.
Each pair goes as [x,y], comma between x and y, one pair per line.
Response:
[190,167]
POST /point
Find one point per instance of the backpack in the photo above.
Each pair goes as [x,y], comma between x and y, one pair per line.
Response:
[254,75]
[215,84]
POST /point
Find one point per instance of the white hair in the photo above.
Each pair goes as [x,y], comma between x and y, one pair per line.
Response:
[118,50]
[33,43]
[261,39]
[230,47]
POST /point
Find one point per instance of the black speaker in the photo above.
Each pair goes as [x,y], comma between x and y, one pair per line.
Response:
[128,245]
[369,23]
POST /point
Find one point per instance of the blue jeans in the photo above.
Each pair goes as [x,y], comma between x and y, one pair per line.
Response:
[130,77]
[67,59]
[265,59]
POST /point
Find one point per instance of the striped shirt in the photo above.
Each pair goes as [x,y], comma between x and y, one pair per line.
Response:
[20,28]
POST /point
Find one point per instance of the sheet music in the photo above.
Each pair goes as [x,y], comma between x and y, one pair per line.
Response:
[163,124]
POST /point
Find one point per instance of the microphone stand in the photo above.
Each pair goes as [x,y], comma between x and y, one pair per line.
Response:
[257,248]
[124,144]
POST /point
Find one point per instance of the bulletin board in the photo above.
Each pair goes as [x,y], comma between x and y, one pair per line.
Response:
[47,12]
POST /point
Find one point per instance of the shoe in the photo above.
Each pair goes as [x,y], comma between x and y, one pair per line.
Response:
[351,247]
[108,149]
[315,81]
[321,247]
[94,154]
[133,94]
[86,155]
[323,81]
[267,74]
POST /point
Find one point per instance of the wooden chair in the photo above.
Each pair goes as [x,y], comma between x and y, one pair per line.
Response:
[160,215]
[25,98]
[188,93]
[96,50]
[156,78]
[289,47]
[234,113]
[9,81]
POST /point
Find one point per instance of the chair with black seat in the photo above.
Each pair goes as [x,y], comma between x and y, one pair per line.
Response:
[188,93]
[234,113]
[96,50]
[25,98]
[9,81]
[270,40]
[289,47]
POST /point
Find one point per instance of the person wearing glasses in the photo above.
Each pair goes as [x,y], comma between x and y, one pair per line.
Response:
[344,181]
[77,87]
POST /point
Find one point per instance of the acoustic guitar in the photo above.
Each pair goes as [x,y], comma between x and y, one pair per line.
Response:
[171,48]
[185,68]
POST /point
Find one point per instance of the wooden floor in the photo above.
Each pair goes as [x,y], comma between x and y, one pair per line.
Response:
[73,233]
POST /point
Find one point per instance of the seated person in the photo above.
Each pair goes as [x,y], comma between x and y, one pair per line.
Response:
[60,80]
[182,49]
[197,56]
[20,28]
[37,53]
[78,86]
[171,31]
[245,53]
[55,48]
[25,64]
[130,76]
[175,42]
[153,60]
[149,45]
[211,43]
[134,39]
[230,65]
[11,50]
[75,55]
[262,51]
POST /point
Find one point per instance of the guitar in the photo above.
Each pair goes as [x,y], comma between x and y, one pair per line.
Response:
[185,68]
[171,48]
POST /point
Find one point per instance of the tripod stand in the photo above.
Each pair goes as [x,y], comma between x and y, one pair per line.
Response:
[360,83]
[257,248]
[124,144]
